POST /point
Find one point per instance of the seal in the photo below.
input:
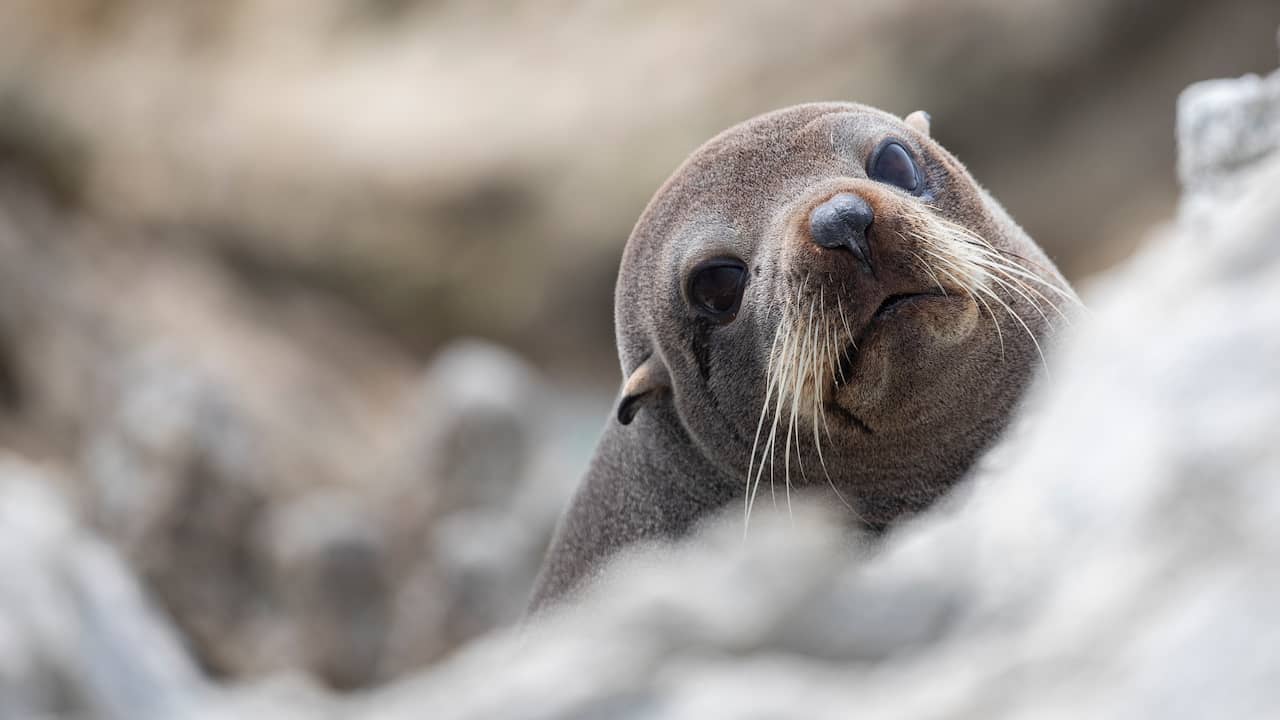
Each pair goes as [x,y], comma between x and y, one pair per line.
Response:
[823,299]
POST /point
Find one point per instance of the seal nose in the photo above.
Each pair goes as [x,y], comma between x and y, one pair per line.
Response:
[842,222]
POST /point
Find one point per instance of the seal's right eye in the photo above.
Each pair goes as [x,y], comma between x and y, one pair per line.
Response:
[892,164]
[715,289]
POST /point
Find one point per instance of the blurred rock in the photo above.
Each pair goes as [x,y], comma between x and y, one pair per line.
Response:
[78,638]
[475,415]
[174,478]
[1226,129]
[279,476]
[329,569]
[479,422]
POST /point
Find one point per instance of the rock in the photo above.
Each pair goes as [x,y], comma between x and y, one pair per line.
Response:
[174,476]
[1227,129]
[274,472]
[474,415]
[329,567]
[78,636]
[481,446]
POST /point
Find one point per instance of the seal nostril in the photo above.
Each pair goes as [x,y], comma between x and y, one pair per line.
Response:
[842,222]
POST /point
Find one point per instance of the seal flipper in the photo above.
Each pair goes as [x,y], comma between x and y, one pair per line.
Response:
[647,380]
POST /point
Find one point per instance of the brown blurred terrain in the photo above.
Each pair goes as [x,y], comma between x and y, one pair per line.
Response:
[450,168]
[240,243]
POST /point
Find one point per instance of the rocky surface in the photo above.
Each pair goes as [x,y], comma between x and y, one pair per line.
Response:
[284,516]
[1115,558]
[78,637]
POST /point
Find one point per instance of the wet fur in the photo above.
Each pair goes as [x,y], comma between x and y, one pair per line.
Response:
[747,408]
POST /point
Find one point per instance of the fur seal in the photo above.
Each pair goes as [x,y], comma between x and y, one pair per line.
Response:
[821,297]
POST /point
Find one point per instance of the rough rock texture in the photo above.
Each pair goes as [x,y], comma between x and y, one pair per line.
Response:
[290,484]
[78,638]
[1115,558]
[282,516]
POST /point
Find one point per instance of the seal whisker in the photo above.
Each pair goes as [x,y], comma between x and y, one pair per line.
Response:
[991,294]
[903,237]
[994,321]
[770,382]
[1001,266]
[938,229]
[819,386]
[1013,287]
[934,242]
[966,235]
[1025,271]
[977,290]
[849,341]
[792,428]
[809,373]
[832,356]
[973,295]
[983,261]
[784,380]
[925,267]
[778,381]
[817,407]
[792,372]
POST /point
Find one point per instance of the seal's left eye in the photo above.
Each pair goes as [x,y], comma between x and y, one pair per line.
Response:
[892,164]
[716,289]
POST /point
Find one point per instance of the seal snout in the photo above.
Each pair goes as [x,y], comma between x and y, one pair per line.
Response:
[841,223]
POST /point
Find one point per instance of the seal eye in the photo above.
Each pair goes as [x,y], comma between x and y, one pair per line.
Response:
[716,289]
[892,164]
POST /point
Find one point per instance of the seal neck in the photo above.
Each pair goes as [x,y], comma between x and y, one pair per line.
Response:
[646,483]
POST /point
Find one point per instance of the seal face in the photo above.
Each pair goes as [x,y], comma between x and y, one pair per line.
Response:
[821,297]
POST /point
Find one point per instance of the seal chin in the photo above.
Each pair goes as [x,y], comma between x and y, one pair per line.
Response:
[894,311]
[897,313]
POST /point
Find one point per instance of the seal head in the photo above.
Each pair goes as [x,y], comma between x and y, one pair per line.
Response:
[821,298]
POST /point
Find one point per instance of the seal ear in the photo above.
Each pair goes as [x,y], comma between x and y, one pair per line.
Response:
[647,380]
[918,120]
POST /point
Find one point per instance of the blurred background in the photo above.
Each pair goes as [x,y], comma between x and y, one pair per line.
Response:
[306,305]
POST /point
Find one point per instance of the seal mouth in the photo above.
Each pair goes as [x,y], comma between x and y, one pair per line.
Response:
[849,418]
[891,304]
[889,307]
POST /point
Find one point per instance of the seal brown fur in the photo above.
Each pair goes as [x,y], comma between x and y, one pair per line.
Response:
[882,333]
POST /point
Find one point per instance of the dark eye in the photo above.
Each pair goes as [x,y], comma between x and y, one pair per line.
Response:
[893,164]
[716,289]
